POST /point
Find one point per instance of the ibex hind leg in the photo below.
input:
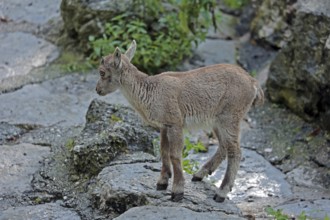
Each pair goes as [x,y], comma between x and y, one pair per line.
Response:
[231,141]
[166,173]
[214,162]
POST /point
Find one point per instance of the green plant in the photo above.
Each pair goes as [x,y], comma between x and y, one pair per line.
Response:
[279,215]
[190,166]
[235,4]
[163,45]
[198,147]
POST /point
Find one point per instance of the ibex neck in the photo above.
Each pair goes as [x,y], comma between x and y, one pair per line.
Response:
[132,86]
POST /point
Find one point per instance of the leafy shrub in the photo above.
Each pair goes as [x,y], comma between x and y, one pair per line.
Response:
[162,43]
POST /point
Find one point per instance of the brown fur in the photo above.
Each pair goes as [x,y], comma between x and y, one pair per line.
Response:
[216,97]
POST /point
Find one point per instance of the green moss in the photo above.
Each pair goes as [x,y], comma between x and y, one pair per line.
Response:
[70,144]
[37,200]
[70,61]
[115,118]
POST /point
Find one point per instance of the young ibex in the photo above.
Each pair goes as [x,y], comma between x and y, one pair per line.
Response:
[216,96]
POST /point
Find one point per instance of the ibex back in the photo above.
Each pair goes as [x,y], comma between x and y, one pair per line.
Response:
[216,96]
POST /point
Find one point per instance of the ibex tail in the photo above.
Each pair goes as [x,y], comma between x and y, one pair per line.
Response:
[260,97]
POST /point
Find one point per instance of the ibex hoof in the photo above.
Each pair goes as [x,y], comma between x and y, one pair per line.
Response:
[196,179]
[218,198]
[162,186]
[176,197]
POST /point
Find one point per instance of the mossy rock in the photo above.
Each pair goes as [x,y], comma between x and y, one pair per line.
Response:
[109,131]
[300,74]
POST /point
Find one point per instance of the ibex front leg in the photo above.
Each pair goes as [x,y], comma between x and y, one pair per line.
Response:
[175,138]
[166,161]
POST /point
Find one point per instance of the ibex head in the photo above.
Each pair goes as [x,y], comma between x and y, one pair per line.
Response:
[111,68]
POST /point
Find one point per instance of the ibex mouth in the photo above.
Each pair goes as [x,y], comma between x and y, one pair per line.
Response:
[99,92]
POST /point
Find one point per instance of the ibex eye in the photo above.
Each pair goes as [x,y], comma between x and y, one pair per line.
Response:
[102,73]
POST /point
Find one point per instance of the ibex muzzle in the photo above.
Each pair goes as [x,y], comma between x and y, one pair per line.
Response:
[216,96]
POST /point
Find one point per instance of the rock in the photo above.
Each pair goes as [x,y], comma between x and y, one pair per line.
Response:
[322,157]
[207,53]
[109,130]
[256,178]
[310,177]
[123,186]
[253,57]
[300,74]
[33,52]
[316,209]
[154,212]
[61,101]
[39,212]
[91,155]
[17,165]
[33,11]
[272,22]
[9,133]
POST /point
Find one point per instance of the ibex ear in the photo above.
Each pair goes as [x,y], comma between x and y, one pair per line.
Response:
[117,57]
[131,50]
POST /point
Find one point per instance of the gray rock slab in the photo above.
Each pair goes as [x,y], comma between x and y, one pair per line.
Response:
[256,178]
[64,101]
[214,51]
[155,213]
[121,187]
[21,52]
[305,176]
[316,209]
[17,165]
[39,212]
[33,11]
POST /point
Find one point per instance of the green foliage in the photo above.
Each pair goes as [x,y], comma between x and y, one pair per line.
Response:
[196,148]
[235,4]
[279,215]
[163,43]
[191,166]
